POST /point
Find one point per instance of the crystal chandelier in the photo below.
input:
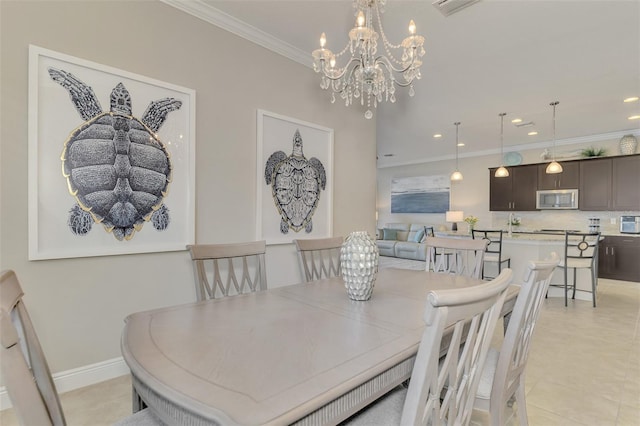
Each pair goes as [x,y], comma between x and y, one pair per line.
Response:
[367,75]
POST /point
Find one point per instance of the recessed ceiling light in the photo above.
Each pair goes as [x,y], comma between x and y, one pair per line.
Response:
[460,143]
[532,133]
[631,99]
[516,120]
[437,135]
[634,117]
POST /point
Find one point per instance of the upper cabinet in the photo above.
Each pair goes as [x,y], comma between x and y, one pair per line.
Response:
[611,183]
[517,192]
[606,183]
[595,184]
[626,183]
[568,179]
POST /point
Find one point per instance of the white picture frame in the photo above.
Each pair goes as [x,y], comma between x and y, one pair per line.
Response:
[275,132]
[52,119]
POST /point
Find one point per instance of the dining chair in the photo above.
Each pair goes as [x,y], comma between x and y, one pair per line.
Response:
[442,390]
[460,256]
[580,252]
[503,374]
[217,267]
[320,257]
[493,253]
[24,367]
[429,231]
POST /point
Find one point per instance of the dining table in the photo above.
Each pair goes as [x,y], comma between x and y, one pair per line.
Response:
[301,354]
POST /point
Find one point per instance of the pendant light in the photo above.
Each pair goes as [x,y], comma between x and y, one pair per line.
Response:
[456,176]
[554,166]
[502,170]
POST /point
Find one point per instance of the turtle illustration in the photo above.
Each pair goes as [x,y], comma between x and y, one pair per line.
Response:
[296,183]
[116,167]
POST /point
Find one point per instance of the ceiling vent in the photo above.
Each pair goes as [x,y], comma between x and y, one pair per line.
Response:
[448,7]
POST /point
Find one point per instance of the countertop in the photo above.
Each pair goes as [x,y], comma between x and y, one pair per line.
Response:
[527,235]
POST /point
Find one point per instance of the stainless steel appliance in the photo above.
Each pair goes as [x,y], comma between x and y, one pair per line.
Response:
[630,224]
[554,199]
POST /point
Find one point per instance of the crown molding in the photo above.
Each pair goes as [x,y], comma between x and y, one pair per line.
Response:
[521,147]
[210,14]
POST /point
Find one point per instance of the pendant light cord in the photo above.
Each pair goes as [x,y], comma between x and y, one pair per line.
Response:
[553,104]
[457,123]
[502,114]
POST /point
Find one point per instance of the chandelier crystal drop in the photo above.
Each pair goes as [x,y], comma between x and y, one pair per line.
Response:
[554,167]
[502,170]
[456,176]
[367,75]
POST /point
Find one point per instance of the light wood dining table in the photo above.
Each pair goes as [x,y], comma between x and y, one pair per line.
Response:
[302,354]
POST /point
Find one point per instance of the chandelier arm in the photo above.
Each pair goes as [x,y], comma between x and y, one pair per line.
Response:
[387,64]
[343,72]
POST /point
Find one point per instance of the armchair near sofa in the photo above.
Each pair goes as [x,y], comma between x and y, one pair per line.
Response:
[403,240]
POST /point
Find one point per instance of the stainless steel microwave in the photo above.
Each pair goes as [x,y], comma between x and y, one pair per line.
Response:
[555,199]
[630,224]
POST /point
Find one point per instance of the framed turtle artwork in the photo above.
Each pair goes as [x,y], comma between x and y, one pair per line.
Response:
[111,160]
[295,179]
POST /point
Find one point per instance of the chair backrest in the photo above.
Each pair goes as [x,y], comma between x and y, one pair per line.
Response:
[581,245]
[460,256]
[23,364]
[217,267]
[442,391]
[495,240]
[517,340]
[320,258]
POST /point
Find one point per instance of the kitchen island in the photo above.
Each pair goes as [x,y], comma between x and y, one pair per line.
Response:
[525,245]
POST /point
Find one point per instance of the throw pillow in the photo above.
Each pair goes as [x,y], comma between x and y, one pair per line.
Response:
[390,234]
[419,236]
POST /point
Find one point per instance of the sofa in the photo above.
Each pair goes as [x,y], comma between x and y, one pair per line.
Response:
[402,240]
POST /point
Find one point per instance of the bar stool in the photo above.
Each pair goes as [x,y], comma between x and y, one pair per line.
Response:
[494,249]
[580,252]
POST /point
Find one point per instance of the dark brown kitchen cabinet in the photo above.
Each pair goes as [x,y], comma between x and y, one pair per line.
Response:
[611,183]
[517,192]
[626,183]
[595,184]
[568,179]
[618,258]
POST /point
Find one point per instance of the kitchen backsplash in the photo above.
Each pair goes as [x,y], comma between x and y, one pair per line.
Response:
[567,219]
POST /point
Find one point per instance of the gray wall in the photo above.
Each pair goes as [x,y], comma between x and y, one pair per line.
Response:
[78,305]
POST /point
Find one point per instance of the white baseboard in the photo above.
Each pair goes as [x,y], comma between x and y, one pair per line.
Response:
[79,377]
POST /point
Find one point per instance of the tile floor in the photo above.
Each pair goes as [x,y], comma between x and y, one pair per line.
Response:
[584,368]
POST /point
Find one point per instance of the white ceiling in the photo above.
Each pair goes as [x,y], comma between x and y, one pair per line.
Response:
[513,56]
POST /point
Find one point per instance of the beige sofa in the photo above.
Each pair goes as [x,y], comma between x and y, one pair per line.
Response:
[403,245]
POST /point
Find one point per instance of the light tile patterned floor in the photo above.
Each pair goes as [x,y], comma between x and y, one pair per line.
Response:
[584,367]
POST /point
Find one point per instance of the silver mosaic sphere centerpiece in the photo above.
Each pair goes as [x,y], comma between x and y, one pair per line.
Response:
[359,263]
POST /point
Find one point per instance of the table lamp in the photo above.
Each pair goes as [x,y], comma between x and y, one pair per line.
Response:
[454,216]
